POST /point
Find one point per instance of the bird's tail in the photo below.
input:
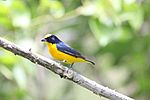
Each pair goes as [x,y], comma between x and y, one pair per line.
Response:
[90,61]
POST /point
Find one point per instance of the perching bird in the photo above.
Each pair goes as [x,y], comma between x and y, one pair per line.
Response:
[63,52]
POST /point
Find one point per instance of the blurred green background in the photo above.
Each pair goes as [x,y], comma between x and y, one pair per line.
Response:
[113,33]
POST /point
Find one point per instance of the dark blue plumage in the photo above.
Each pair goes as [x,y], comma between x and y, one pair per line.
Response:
[53,39]
[61,46]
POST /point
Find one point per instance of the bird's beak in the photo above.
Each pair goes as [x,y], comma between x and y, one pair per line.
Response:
[43,40]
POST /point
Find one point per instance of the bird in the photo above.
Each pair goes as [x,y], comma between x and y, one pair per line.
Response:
[62,51]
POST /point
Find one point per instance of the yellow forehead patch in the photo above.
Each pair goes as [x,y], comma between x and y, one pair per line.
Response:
[47,35]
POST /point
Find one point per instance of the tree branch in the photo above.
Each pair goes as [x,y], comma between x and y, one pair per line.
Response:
[63,71]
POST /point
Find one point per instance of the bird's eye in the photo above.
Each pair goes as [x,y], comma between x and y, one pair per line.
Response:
[47,39]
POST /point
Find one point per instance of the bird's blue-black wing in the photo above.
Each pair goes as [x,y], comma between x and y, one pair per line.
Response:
[61,46]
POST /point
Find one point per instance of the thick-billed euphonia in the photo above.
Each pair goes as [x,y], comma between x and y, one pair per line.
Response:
[63,52]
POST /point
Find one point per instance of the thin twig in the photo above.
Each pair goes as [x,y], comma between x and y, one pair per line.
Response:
[63,71]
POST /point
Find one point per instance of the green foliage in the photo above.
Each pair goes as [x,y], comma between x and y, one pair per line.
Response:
[115,33]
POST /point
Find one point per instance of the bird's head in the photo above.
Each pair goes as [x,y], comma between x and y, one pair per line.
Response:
[50,38]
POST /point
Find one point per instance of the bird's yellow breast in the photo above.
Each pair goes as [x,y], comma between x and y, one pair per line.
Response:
[58,55]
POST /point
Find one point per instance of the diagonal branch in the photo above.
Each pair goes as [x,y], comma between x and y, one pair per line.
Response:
[63,71]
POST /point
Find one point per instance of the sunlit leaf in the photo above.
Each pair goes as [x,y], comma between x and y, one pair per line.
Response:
[7,58]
